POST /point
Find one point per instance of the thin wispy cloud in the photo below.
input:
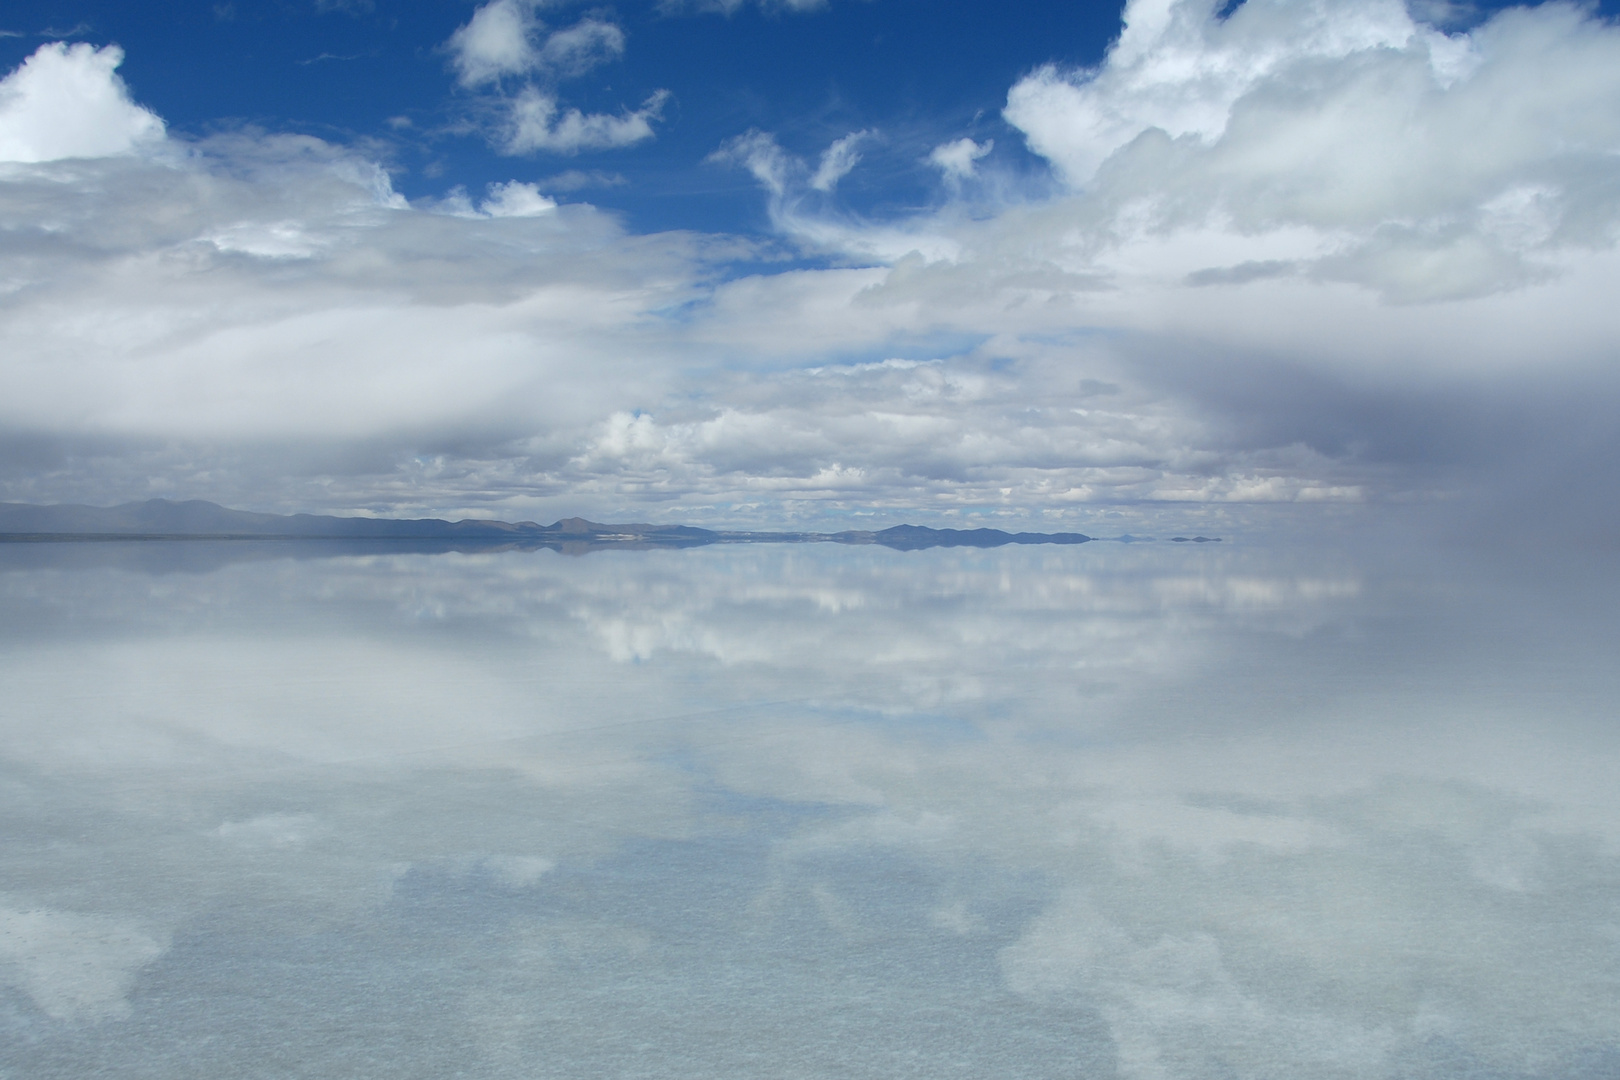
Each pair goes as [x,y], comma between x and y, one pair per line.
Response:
[731,7]
[324,57]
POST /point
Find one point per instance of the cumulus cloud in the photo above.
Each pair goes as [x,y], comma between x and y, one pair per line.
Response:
[67,101]
[537,122]
[1178,67]
[1330,259]
[1423,165]
[940,431]
[169,242]
[510,199]
[513,199]
[1301,219]
[959,160]
[497,41]
[587,44]
[506,39]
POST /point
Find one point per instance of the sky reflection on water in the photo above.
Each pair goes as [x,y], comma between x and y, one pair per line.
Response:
[1145,811]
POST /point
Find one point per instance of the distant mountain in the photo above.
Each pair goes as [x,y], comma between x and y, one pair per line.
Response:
[912,537]
[158,519]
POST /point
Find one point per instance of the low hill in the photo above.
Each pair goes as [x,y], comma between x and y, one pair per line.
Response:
[159,519]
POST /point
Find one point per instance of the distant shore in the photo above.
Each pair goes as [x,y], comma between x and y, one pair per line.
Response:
[165,520]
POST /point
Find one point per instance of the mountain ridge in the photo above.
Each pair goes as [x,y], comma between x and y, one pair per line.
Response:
[158,519]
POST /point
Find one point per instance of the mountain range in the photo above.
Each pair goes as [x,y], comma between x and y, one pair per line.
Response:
[161,519]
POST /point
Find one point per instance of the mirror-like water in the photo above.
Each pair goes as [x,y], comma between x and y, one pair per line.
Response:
[801,811]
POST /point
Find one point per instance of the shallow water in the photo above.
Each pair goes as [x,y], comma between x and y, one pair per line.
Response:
[1257,809]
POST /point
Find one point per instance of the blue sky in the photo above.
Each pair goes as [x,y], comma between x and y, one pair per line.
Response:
[918,74]
[773,263]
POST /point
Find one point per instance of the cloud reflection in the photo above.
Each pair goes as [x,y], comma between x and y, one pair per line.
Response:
[1145,811]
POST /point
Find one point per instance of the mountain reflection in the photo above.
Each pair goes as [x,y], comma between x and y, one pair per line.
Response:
[1102,810]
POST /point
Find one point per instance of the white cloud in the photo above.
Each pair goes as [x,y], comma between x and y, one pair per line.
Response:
[513,199]
[580,179]
[1356,247]
[510,199]
[837,161]
[66,101]
[587,44]
[506,38]
[959,160]
[1405,154]
[497,41]
[731,7]
[1179,68]
[173,299]
[537,122]
[759,153]
[787,179]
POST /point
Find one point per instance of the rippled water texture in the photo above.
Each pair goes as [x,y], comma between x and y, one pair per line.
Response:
[1239,810]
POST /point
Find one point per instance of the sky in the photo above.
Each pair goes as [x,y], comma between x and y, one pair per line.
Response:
[813,263]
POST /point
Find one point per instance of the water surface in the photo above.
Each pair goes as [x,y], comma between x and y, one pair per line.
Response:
[1257,809]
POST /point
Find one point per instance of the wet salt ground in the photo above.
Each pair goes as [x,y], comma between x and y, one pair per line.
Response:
[1149,812]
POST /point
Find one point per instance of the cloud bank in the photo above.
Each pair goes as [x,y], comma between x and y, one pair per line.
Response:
[1298,252]
[1390,155]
